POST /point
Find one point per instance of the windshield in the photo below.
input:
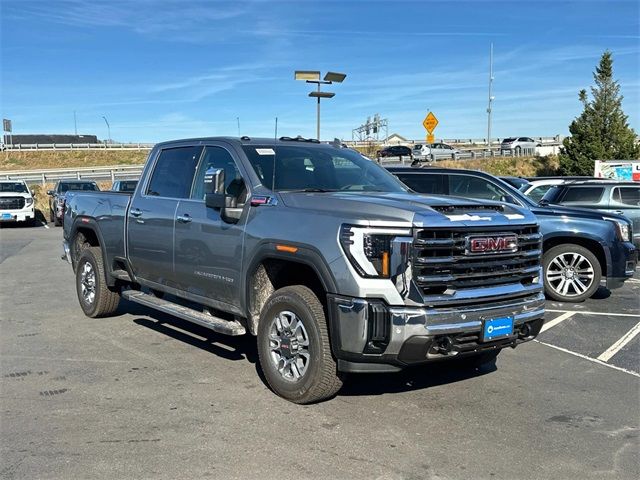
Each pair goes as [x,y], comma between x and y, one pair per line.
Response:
[64,187]
[319,168]
[16,187]
[128,186]
[509,140]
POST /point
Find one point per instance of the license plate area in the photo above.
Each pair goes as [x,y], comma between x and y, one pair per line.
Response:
[7,216]
[497,328]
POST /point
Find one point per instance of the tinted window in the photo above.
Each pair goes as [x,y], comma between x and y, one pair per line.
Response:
[627,195]
[173,173]
[537,193]
[218,157]
[319,167]
[473,187]
[65,187]
[13,187]
[432,184]
[583,194]
[127,186]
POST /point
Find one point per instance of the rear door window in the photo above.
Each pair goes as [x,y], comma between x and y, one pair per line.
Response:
[627,196]
[582,195]
[432,184]
[473,187]
[173,172]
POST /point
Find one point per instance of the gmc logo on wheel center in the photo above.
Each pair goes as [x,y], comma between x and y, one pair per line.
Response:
[501,243]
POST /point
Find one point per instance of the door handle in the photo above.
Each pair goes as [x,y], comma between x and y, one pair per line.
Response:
[619,212]
[135,212]
[186,218]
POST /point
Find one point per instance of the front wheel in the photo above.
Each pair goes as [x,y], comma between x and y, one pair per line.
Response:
[95,296]
[571,273]
[294,348]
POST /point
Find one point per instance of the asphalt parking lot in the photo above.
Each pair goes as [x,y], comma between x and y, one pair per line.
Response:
[143,395]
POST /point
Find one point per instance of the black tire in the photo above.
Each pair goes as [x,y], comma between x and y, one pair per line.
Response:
[51,218]
[479,360]
[518,150]
[104,300]
[553,286]
[321,379]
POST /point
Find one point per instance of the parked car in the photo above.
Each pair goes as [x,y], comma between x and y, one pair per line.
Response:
[517,182]
[581,247]
[62,190]
[124,186]
[431,151]
[538,186]
[610,196]
[519,144]
[323,255]
[394,151]
[16,202]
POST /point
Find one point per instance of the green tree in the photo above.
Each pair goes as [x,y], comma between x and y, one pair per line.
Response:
[601,132]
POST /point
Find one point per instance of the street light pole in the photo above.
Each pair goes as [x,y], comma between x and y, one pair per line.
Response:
[490,96]
[108,127]
[314,77]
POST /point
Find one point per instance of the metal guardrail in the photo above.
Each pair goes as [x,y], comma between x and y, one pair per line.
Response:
[18,147]
[464,155]
[117,172]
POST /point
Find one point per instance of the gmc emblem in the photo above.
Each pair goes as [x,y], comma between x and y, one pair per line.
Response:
[501,243]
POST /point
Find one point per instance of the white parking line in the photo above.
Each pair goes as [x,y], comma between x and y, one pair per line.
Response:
[608,314]
[619,345]
[556,321]
[594,360]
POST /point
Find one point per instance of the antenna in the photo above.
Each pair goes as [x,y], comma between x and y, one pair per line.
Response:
[275,150]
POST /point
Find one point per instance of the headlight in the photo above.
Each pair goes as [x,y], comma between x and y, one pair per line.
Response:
[623,229]
[369,249]
[28,201]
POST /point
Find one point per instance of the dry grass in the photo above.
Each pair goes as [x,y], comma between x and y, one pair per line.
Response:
[514,167]
[41,159]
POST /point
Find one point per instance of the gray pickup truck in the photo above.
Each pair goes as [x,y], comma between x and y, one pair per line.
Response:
[322,254]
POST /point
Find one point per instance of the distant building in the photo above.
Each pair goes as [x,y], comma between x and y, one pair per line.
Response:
[395,139]
[43,138]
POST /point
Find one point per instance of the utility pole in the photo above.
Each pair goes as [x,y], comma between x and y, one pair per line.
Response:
[238,120]
[108,127]
[75,123]
[490,96]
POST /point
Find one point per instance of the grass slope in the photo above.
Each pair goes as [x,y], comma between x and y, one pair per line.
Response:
[41,159]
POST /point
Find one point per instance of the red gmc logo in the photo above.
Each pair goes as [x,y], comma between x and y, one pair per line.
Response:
[503,243]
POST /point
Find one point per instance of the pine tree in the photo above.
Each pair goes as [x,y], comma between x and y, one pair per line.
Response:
[601,132]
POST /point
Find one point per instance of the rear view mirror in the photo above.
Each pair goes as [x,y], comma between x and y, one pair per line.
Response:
[214,181]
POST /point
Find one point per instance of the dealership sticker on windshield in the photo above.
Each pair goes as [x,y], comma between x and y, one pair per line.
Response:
[265,151]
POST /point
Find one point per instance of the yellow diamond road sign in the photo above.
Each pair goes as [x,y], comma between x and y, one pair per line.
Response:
[430,122]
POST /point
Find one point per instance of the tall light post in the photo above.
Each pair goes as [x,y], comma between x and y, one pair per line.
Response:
[491,97]
[108,127]
[312,76]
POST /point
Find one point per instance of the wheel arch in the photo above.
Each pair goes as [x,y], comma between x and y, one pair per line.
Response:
[585,241]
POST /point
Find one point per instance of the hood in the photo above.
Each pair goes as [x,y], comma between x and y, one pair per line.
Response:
[419,210]
[576,212]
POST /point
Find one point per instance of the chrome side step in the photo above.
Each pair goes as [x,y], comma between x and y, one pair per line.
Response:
[216,324]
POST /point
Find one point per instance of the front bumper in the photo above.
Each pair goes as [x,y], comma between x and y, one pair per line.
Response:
[623,260]
[369,336]
[22,215]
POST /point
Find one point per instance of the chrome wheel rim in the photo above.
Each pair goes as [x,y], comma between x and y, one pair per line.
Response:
[88,283]
[570,274]
[289,346]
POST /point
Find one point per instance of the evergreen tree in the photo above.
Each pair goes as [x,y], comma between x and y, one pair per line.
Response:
[601,132]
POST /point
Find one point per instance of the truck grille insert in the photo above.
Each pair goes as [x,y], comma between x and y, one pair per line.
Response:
[11,203]
[443,264]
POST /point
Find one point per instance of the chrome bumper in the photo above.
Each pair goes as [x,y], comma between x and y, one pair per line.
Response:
[351,323]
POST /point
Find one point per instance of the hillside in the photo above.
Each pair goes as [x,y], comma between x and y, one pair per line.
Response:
[40,159]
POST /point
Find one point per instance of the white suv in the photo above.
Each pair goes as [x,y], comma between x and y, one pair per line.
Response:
[16,202]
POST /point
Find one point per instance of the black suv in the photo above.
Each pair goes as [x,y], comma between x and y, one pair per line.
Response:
[394,151]
[59,193]
[580,246]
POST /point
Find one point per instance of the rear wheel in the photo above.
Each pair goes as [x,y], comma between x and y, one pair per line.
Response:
[518,150]
[294,349]
[96,298]
[571,273]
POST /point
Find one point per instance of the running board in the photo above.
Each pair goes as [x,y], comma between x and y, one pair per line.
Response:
[216,324]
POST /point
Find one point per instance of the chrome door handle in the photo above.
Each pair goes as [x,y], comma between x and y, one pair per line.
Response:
[135,212]
[186,218]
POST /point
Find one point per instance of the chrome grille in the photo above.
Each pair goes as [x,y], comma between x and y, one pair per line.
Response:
[11,203]
[441,263]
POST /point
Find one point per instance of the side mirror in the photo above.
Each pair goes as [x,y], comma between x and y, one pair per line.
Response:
[215,196]
[50,193]
[509,199]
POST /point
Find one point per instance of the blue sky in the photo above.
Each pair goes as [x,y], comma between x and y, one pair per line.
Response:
[169,69]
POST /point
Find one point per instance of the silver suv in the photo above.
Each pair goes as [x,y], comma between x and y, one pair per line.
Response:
[519,145]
